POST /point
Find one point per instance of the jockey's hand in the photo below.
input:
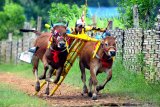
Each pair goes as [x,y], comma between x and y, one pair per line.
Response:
[94,28]
[98,29]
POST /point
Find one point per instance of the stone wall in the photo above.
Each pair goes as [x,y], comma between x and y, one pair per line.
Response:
[151,50]
[132,44]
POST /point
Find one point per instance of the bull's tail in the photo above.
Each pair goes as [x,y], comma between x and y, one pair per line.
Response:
[29,30]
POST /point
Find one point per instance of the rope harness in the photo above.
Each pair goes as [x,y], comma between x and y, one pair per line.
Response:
[106,61]
[57,38]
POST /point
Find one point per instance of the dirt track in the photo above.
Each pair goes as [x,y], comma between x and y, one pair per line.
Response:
[67,95]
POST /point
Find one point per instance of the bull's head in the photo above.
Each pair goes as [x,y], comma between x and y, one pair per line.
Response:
[59,35]
[109,46]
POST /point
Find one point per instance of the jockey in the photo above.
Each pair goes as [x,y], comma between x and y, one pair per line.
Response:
[80,24]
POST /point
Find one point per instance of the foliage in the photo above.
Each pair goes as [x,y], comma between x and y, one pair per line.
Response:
[34,8]
[102,23]
[146,10]
[11,18]
[63,12]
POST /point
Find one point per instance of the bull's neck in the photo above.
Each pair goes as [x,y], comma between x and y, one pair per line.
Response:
[102,54]
[53,47]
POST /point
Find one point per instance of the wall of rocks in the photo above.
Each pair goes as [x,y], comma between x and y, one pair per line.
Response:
[140,50]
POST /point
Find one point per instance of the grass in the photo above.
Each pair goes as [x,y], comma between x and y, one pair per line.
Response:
[13,98]
[131,84]
[123,83]
[22,69]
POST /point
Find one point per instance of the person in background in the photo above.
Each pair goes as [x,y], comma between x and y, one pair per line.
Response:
[104,35]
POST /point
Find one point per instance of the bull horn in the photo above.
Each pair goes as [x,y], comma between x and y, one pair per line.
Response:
[67,24]
[52,25]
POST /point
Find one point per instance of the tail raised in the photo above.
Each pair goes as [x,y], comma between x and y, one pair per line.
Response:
[29,30]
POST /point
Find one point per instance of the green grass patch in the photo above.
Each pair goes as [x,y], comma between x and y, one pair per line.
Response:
[9,97]
[22,69]
[132,84]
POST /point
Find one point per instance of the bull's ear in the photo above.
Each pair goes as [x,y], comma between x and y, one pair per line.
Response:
[67,24]
[102,41]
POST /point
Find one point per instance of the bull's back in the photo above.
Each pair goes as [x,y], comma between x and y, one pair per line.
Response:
[42,43]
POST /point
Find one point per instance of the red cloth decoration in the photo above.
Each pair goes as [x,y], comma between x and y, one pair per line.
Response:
[106,63]
[55,56]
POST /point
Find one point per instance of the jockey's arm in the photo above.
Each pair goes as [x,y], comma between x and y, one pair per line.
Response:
[89,28]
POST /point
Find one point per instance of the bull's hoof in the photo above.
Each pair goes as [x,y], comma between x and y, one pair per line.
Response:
[47,91]
[85,90]
[56,81]
[42,77]
[98,88]
[83,93]
[37,86]
[94,97]
[90,94]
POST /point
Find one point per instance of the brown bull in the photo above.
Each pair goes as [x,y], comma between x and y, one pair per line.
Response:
[53,56]
[101,63]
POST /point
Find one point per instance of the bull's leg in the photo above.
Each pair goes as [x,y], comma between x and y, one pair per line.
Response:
[49,80]
[90,87]
[47,88]
[37,86]
[109,77]
[93,71]
[58,74]
[43,76]
[83,78]
[46,66]
[35,61]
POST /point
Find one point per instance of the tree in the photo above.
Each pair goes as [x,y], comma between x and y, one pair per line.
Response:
[146,10]
[11,19]
[63,12]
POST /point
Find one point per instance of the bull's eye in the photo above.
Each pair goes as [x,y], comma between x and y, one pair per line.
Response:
[56,33]
[106,44]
